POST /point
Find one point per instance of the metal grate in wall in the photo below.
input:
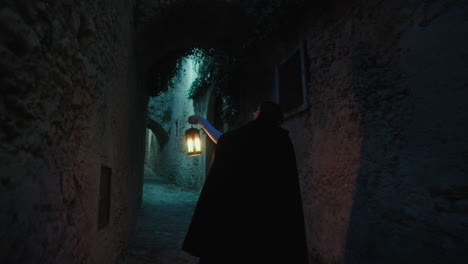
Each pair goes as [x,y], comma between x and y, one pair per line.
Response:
[104,197]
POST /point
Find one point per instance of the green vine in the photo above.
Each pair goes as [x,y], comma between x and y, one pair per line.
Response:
[214,71]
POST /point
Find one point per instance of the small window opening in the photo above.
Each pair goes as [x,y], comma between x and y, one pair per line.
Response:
[291,87]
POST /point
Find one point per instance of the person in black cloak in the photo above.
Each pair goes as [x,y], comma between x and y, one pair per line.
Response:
[250,207]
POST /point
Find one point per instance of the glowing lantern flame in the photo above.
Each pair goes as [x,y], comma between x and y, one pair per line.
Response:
[190,145]
[193,139]
[197,144]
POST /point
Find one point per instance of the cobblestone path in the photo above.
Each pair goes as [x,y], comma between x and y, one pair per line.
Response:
[162,222]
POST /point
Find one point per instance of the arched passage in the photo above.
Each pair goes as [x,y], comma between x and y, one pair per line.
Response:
[158,131]
[156,138]
[161,39]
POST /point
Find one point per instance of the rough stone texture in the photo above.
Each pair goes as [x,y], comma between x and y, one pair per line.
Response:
[382,149]
[69,104]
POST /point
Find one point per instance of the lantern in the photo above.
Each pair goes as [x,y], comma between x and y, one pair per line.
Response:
[193,141]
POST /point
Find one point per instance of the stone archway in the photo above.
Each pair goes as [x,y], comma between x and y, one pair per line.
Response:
[158,131]
[156,139]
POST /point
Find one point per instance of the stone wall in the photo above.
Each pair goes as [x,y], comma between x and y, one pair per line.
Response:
[381,151]
[412,186]
[383,171]
[69,105]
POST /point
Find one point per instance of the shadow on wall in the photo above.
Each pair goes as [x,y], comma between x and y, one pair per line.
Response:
[378,217]
[411,190]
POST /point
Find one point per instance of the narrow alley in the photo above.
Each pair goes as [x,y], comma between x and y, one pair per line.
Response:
[116,114]
[163,219]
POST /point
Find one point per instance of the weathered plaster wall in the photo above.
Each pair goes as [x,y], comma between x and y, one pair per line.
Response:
[382,149]
[412,186]
[172,109]
[69,104]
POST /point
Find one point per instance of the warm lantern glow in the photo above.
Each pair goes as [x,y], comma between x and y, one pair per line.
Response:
[193,139]
[197,144]
[190,145]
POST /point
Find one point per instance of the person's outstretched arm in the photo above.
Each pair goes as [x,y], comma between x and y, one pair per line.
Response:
[212,132]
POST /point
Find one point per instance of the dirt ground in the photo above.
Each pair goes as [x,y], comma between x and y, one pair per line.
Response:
[162,222]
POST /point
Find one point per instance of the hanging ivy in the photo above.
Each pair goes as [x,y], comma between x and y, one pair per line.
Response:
[214,71]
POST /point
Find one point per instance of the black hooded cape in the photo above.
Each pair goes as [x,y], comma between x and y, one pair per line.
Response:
[250,207]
